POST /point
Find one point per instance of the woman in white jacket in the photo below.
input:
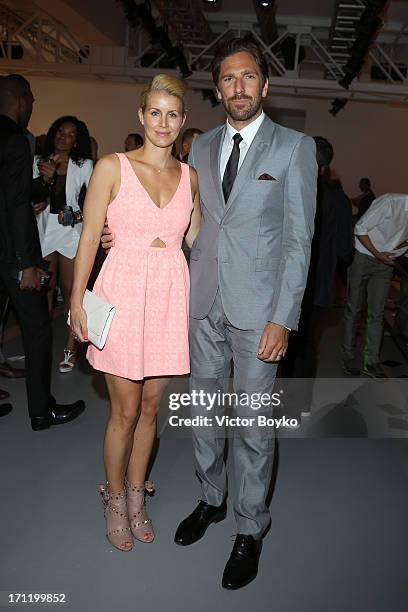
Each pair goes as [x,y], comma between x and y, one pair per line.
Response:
[61,176]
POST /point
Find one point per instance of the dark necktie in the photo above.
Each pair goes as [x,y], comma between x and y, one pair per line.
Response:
[231,168]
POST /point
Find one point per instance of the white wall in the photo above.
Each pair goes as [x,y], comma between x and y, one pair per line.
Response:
[369,139]
[108,109]
[86,20]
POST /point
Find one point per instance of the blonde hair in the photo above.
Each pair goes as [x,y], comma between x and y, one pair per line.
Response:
[167,84]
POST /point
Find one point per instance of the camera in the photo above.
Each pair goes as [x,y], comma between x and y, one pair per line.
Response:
[68,216]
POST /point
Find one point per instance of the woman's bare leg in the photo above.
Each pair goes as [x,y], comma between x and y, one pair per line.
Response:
[66,267]
[145,432]
[125,396]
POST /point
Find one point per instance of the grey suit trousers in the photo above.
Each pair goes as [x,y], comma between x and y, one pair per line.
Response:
[214,344]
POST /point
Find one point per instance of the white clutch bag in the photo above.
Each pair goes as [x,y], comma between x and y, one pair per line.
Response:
[99,318]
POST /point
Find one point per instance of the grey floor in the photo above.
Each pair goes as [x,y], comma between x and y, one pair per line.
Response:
[337,543]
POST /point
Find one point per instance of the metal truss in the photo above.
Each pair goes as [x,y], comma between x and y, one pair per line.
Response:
[50,49]
[187,21]
[343,34]
[37,37]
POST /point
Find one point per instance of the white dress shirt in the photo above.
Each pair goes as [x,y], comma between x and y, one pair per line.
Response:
[248,133]
[385,223]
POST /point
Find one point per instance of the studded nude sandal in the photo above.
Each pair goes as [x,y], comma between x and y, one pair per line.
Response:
[140,523]
[117,519]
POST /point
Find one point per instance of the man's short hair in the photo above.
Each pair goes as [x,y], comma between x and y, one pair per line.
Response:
[366,181]
[237,45]
[13,87]
[137,138]
[324,151]
[190,133]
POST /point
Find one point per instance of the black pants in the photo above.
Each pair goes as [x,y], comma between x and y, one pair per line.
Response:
[31,309]
[401,319]
[300,362]
[3,317]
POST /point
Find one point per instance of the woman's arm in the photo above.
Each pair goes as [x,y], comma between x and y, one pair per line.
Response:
[40,190]
[195,221]
[97,200]
[86,171]
[43,177]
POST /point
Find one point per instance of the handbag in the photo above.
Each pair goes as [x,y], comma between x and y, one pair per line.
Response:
[99,318]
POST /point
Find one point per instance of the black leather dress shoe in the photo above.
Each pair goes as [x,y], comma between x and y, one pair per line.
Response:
[242,566]
[195,525]
[60,414]
[5,409]
[8,371]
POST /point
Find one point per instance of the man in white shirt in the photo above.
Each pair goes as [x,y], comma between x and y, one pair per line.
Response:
[247,133]
[381,236]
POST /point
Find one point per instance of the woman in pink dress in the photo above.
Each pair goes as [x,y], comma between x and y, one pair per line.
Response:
[150,200]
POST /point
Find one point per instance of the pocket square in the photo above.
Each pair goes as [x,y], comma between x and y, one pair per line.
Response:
[266,177]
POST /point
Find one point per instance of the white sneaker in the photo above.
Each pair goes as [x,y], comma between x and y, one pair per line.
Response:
[67,364]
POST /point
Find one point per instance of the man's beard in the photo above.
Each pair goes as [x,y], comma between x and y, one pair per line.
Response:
[243,114]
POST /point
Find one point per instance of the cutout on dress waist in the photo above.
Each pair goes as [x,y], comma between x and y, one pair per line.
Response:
[158,243]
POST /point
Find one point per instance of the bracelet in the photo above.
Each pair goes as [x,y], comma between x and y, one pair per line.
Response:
[48,183]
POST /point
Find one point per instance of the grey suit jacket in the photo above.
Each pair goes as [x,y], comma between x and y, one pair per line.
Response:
[255,247]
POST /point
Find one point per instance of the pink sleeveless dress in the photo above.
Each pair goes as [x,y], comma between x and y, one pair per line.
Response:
[149,286]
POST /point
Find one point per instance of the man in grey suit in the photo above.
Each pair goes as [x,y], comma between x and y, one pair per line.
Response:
[248,269]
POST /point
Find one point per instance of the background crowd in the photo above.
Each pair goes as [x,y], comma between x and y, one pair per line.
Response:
[360,244]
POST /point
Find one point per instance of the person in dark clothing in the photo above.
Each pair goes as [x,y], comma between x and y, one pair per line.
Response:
[21,263]
[332,241]
[39,144]
[186,141]
[365,199]
[133,141]
[401,317]
[6,369]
